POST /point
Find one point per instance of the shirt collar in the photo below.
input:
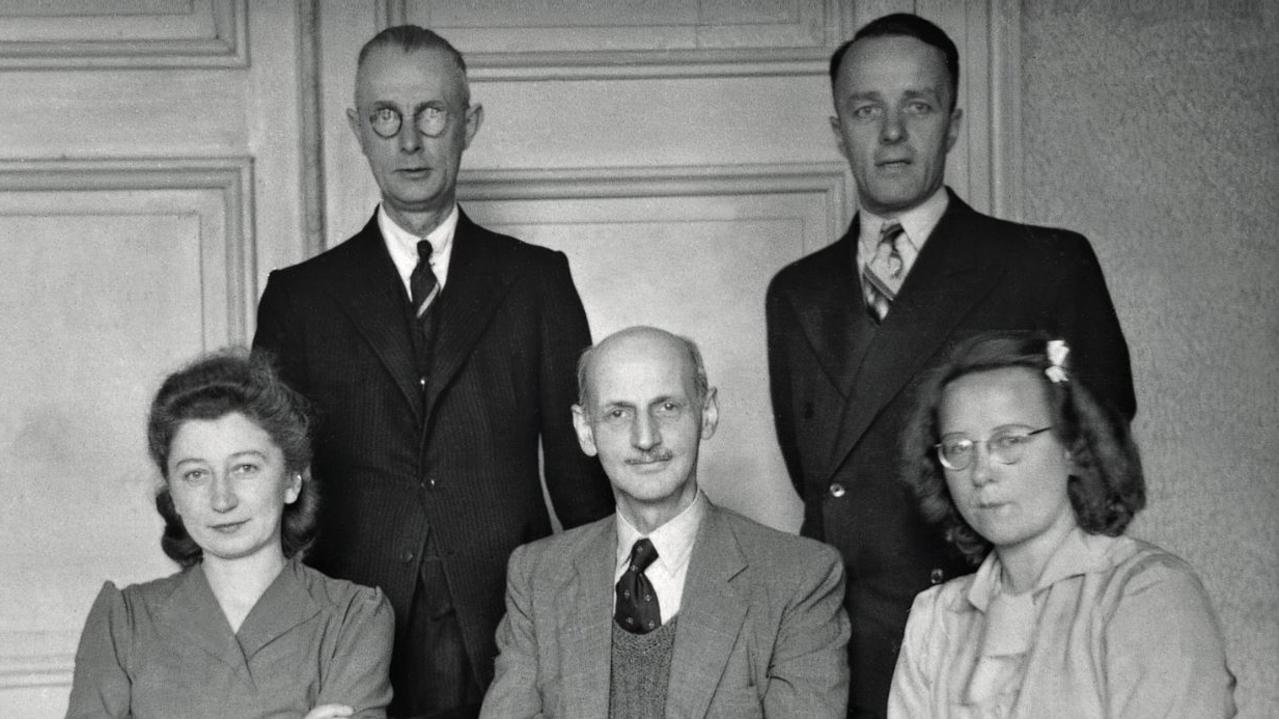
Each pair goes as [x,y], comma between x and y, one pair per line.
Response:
[285,604]
[673,540]
[193,610]
[402,244]
[1079,553]
[918,222]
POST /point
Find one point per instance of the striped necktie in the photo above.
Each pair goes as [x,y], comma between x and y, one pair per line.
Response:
[423,286]
[883,275]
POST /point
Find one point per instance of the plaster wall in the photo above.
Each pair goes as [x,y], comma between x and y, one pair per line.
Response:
[1153,127]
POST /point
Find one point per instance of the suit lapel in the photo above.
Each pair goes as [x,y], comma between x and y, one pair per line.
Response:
[956,269]
[372,294]
[584,620]
[478,279]
[710,618]
[832,315]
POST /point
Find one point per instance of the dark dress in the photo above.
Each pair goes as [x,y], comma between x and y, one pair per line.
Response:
[164,649]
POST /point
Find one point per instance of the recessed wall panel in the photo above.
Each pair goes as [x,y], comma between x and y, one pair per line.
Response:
[583,38]
[131,33]
[694,257]
[115,274]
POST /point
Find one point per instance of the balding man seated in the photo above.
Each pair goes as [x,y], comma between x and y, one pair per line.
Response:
[672,607]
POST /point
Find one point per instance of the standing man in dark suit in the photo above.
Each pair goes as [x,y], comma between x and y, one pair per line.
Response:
[852,327]
[436,354]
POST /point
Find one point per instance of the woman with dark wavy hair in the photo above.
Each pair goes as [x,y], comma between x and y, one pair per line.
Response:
[1031,478]
[245,629]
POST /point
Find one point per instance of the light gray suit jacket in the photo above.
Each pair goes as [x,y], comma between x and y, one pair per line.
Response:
[762,631]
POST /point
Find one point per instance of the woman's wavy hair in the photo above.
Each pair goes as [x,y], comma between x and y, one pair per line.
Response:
[211,387]
[1107,487]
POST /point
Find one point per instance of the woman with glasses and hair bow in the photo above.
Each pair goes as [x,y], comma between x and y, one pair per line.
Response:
[1034,480]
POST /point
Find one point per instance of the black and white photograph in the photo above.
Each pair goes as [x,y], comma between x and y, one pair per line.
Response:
[639,359]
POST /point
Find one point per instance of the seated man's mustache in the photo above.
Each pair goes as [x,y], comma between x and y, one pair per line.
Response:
[652,455]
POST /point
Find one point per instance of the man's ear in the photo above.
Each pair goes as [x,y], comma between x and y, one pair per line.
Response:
[585,435]
[353,120]
[474,118]
[710,414]
[839,137]
[953,127]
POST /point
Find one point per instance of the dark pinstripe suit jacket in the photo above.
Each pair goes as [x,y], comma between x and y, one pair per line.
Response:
[843,388]
[461,457]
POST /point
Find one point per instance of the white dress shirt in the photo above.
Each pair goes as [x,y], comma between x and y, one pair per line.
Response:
[674,543]
[402,245]
[917,222]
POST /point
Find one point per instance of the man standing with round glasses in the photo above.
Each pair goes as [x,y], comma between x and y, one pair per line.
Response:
[439,357]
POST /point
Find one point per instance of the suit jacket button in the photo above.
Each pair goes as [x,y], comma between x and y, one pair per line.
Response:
[431,483]
[836,490]
[407,556]
[936,576]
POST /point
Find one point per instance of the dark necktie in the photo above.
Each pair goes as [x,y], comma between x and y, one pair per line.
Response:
[422,283]
[884,273]
[637,611]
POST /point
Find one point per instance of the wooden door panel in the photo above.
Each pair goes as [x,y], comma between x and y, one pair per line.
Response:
[115,273]
[630,136]
[135,136]
[694,255]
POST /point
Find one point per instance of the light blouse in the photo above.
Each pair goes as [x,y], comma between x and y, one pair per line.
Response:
[1115,628]
[164,649]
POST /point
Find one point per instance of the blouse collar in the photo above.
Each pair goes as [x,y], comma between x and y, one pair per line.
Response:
[1079,553]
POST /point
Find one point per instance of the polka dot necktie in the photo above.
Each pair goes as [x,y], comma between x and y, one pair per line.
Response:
[637,611]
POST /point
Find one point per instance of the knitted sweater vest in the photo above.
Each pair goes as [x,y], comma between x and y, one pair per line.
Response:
[641,670]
